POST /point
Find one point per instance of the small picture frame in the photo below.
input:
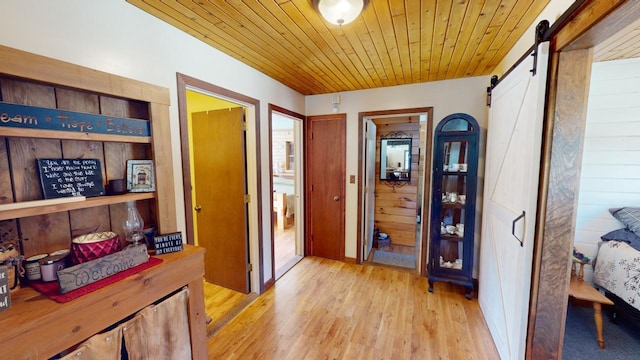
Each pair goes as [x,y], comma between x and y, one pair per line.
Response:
[140,176]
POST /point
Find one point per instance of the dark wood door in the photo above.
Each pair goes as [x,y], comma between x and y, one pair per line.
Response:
[325,185]
[220,188]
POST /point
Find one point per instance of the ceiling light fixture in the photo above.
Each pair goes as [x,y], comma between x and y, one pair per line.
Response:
[340,12]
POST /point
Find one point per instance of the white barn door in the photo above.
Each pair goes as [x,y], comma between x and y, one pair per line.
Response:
[510,195]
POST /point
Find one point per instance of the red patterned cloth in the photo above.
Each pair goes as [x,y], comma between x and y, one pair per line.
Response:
[52,291]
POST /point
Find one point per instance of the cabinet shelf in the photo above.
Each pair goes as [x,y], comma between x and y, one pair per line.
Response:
[456,205]
[41,207]
[451,237]
[459,173]
[64,135]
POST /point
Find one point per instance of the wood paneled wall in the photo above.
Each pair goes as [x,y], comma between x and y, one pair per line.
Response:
[51,232]
[397,206]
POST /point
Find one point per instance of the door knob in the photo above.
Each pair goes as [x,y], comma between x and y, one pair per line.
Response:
[197,208]
[336,198]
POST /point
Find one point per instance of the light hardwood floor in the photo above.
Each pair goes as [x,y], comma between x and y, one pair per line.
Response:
[222,304]
[325,309]
[284,249]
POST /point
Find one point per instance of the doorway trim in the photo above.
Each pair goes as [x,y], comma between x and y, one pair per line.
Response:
[274,108]
[426,193]
[185,82]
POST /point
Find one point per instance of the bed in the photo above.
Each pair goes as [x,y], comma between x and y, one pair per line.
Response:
[617,265]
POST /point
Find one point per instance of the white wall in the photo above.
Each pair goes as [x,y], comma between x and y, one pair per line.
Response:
[117,37]
[611,162]
[447,97]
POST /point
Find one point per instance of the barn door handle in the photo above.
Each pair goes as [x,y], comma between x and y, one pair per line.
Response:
[336,198]
[513,227]
[197,208]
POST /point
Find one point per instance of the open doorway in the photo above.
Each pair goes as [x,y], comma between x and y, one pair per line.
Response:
[219,136]
[286,134]
[392,228]
[610,150]
[573,36]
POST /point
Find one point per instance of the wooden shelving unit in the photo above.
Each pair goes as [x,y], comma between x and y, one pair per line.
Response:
[41,207]
[35,326]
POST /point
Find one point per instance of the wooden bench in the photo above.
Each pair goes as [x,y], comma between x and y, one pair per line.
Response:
[580,290]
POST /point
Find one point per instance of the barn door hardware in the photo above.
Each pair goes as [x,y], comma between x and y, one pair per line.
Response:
[513,228]
[494,82]
[541,30]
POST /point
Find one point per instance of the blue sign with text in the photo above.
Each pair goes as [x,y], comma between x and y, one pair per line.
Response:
[33,117]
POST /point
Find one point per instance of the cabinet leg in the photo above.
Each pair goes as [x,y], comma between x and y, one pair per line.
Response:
[430,287]
[467,294]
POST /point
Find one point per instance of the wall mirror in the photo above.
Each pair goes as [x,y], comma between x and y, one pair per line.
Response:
[395,159]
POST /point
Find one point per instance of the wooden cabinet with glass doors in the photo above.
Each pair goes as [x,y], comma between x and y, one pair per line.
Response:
[455,169]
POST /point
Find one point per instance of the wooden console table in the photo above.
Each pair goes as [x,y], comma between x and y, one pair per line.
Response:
[36,327]
[580,290]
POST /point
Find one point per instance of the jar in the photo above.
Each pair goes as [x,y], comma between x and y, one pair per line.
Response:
[50,265]
[32,266]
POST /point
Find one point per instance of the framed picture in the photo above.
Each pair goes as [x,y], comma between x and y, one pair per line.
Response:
[140,176]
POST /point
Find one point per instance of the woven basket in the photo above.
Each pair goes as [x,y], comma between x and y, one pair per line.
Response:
[92,246]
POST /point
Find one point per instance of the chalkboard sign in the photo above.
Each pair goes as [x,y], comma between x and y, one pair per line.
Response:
[168,243]
[70,177]
[5,296]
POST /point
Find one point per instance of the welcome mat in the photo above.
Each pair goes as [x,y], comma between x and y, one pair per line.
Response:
[395,259]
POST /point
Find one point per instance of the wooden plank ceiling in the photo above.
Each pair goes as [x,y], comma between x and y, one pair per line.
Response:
[623,45]
[393,42]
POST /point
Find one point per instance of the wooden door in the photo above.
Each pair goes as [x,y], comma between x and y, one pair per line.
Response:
[511,190]
[370,187]
[325,185]
[220,188]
